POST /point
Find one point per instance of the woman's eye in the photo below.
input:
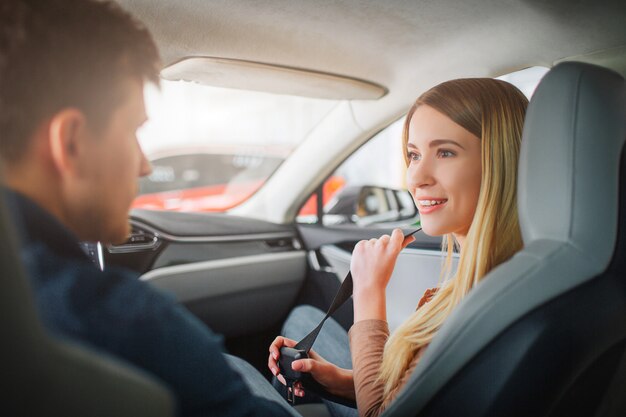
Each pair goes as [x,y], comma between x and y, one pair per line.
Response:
[445,153]
[413,156]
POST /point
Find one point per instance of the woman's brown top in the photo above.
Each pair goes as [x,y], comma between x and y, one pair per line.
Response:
[367,342]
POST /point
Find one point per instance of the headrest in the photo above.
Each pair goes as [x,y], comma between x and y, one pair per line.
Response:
[569,163]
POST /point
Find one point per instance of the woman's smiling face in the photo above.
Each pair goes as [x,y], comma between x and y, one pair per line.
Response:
[444,172]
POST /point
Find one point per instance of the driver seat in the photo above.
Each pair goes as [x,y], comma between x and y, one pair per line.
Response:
[544,334]
[47,377]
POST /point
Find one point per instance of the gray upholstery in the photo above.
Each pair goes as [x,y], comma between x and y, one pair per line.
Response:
[568,189]
[44,377]
[568,176]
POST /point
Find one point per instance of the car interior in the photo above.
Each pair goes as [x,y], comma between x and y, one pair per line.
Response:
[543,335]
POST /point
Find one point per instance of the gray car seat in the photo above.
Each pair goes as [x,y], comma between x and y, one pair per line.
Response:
[46,377]
[545,333]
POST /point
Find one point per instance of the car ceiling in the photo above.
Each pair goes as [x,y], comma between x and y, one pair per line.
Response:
[406,46]
[392,43]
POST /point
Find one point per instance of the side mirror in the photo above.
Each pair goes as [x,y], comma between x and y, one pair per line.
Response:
[368,204]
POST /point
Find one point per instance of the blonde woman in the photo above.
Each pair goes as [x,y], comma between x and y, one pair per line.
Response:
[462,141]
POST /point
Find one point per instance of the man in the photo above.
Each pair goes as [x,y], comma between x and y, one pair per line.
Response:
[71,100]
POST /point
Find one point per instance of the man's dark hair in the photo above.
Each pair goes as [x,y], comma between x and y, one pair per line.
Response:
[56,54]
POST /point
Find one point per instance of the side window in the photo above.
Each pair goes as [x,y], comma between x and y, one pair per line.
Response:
[369,187]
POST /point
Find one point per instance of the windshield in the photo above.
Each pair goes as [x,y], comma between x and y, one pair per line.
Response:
[211,148]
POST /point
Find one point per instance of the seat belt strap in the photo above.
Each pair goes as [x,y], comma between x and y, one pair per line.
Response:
[302,348]
[343,294]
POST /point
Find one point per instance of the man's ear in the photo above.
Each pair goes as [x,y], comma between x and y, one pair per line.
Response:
[66,135]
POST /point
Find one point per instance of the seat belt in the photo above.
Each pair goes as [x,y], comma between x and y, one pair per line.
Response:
[302,348]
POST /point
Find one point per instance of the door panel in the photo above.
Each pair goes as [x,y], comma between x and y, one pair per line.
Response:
[315,236]
[416,271]
[418,266]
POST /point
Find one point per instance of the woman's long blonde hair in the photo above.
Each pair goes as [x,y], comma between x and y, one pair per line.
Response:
[493,111]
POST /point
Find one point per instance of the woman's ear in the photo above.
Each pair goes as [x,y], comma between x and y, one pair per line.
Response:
[66,135]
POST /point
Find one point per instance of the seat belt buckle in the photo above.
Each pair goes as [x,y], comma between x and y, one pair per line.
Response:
[287,356]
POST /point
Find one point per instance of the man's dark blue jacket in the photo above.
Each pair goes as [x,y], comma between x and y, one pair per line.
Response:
[112,310]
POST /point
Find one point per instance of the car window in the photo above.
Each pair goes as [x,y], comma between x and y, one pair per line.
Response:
[211,148]
[369,187]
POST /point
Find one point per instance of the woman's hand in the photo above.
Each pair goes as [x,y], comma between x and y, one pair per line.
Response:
[372,264]
[335,380]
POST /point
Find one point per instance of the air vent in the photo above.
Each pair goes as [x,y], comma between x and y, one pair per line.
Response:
[139,240]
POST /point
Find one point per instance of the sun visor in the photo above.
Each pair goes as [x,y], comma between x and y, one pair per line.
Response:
[249,75]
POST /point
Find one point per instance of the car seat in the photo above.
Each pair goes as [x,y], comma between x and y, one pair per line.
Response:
[46,377]
[544,334]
